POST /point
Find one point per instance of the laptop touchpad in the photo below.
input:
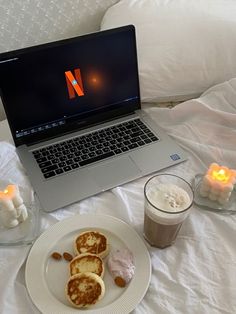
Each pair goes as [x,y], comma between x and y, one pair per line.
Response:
[115,172]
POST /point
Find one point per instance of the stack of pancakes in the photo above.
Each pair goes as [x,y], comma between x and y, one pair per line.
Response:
[85,286]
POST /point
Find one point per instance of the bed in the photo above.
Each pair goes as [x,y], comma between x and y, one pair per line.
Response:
[197,273]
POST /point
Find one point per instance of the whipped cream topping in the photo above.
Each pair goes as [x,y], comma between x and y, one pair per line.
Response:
[169,197]
[121,264]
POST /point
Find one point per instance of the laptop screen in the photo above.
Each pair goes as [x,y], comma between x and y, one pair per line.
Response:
[67,85]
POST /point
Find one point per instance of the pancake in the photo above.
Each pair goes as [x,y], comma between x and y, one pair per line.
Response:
[84,289]
[91,242]
[87,263]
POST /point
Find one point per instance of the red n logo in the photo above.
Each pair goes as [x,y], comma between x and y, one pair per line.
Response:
[74,83]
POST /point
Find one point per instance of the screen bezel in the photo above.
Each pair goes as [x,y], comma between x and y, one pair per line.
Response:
[88,120]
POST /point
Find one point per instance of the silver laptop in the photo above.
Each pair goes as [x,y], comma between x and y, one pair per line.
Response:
[74,111]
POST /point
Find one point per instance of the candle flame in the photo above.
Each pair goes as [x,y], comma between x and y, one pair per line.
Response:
[5,191]
[220,175]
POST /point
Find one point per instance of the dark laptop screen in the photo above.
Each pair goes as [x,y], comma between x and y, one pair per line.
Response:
[54,88]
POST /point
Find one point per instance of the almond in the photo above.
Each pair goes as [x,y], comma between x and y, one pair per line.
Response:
[56,255]
[67,256]
[120,282]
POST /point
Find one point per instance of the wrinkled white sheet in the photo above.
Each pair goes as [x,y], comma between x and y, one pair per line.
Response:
[197,274]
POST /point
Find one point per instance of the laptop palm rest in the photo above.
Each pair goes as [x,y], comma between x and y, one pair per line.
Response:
[115,172]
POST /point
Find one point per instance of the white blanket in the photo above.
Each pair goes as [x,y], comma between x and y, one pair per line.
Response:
[197,274]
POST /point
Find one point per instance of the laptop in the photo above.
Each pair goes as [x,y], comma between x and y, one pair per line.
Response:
[74,111]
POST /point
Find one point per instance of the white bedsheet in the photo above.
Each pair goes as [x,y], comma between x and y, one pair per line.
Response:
[198,273]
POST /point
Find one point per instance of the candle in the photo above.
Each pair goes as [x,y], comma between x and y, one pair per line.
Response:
[12,208]
[218,183]
[8,217]
[11,196]
[22,213]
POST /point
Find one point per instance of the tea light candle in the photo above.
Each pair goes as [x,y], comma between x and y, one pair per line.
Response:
[218,183]
[12,208]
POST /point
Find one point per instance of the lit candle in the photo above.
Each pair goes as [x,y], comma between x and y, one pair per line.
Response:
[11,196]
[218,183]
[12,208]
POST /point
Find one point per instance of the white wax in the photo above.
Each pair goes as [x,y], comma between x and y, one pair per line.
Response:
[215,191]
[12,209]
[17,200]
[9,217]
[15,195]
[6,204]
[22,213]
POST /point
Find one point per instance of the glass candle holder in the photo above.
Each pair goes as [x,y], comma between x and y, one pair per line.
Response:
[19,215]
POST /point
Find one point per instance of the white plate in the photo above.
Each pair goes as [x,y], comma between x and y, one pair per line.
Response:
[46,278]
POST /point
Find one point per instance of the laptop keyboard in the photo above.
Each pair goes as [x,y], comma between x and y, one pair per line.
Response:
[83,150]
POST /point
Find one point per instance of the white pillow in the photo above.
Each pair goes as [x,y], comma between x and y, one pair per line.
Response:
[184,46]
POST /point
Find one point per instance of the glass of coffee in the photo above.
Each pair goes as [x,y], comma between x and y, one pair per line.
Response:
[168,200]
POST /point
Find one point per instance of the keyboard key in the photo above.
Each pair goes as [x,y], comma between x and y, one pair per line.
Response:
[45,164]
[127,142]
[134,145]
[143,136]
[77,154]
[106,149]
[61,164]
[42,159]
[154,138]
[63,158]
[92,154]
[85,157]
[134,140]
[55,161]
[59,171]
[49,174]
[49,168]
[117,151]
[124,149]
[77,159]
[141,143]
[70,162]
[74,166]
[136,134]
[67,168]
[37,155]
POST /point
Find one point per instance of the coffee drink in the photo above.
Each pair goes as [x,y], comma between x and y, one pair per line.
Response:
[167,205]
[160,235]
